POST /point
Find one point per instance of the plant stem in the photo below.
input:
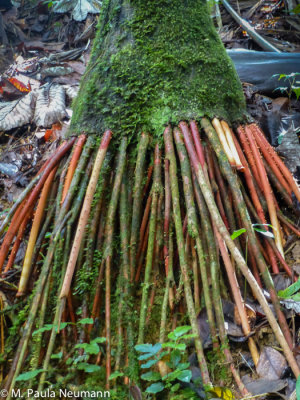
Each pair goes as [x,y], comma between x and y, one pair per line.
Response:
[249,181]
[270,240]
[12,230]
[60,304]
[230,141]
[193,223]
[73,164]
[84,215]
[38,337]
[108,248]
[266,189]
[137,200]
[34,233]
[266,147]
[21,350]
[141,253]
[18,202]
[167,233]
[235,252]
[151,242]
[18,240]
[279,187]
[222,137]
[242,209]
[237,298]
[170,154]
[124,226]
[170,278]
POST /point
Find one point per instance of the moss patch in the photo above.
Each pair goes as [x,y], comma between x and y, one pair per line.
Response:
[155,62]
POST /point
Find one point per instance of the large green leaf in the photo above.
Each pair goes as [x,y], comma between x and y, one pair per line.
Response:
[175,357]
[151,376]
[57,356]
[179,331]
[296,90]
[149,364]
[156,348]
[145,356]
[171,376]
[182,366]
[29,375]
[237,233]
[289,291]
[86,367]
[115,375]
[148,348]
[185,375]
[178,346]
[86,321]
[99,340]
[189,336]
[89,348]
[175,387]
[48,327]
[155,387]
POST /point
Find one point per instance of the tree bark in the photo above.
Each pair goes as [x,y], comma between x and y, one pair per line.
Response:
[155,62]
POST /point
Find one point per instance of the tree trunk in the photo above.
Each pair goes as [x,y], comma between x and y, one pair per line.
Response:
[155,62]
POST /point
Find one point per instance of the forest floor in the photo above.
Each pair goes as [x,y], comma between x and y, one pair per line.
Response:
[41,48]
[42,58]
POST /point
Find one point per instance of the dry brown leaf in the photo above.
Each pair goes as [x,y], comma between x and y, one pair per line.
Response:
[50,105]
[271,364]
[17,113]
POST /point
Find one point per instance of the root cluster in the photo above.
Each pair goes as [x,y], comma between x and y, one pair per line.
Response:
[134,238]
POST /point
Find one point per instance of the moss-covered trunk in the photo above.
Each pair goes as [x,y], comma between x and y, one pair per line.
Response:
[155,62]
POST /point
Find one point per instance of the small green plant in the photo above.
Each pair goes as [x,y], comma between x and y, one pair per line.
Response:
[292,88]
[293,84]
[257,228]
[296,11]
[50,3]
[291,292]
[173,354]
[80,361]
[63,325]
[27,376]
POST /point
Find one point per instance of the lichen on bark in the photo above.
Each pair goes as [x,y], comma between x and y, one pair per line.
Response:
[154,62]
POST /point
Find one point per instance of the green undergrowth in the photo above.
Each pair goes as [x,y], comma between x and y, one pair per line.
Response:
[154,63]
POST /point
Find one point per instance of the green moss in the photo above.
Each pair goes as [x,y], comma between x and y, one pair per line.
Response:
[155,62]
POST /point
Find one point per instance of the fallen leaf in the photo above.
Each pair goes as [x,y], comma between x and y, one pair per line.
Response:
[52,133]
[20,85]
[56,71]
[80,8]
[39,45]
[50,105]
[71,91]
[260,386]
[17,113]
[271,364]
